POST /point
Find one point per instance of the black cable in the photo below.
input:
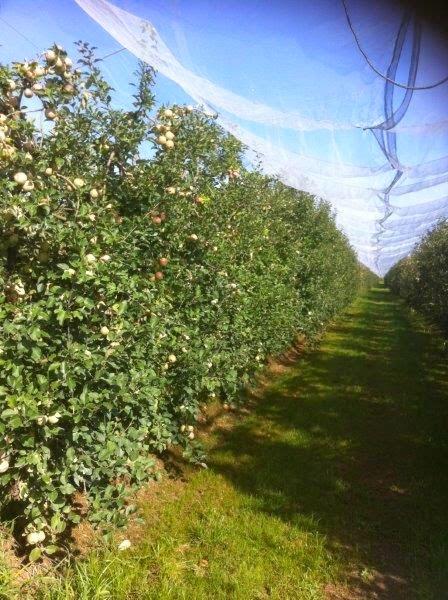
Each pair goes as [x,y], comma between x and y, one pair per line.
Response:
[372,66]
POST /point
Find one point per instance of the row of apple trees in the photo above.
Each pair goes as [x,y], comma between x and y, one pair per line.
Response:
[421,279]
[133,290]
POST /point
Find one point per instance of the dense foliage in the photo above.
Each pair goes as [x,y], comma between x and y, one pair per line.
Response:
[132,290]
[422,278]
[366,279]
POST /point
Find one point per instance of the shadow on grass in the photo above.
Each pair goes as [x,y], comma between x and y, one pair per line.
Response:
[351,442]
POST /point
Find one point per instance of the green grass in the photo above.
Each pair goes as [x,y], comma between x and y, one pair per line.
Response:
[336,481]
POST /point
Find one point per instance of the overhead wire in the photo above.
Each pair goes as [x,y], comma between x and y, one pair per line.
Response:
[377,71]
[19,32]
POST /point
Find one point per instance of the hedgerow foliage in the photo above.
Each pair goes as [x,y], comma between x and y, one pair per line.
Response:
[422,278]
[132,290]
[366,279]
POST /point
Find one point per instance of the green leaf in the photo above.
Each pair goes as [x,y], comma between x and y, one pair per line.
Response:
[57,524]
[35,334]
[35,554]
[67,489]
[36,353]
[8,413]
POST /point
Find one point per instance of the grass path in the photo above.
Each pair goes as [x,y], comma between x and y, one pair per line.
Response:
[335,485]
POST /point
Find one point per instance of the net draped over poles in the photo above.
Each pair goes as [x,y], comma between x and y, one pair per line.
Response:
[351,105]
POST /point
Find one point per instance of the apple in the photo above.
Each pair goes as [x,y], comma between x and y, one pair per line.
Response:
[48,171]
[50,114]
[171,190]
[29,146]
[168,113]
[159,275]
[90,259]
[4,465]
[8,152]
[172,358]
[169,144]
[28,186]
[28,93]
[104,330]
[20,178]
[78,182]
[35,537]
[53,419]
[105,258]
[156,220]
[163,262]
[124,545]
[191,435]
[162,139]
[59,66]
[51,57]
[169,135]
[69,88]
[68,62]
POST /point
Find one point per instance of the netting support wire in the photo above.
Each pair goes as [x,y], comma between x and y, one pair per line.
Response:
[372,66]
[18,32]
[113,53]
[33,44]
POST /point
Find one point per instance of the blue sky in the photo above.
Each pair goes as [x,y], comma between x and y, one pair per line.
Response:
[36,24]
[281,52]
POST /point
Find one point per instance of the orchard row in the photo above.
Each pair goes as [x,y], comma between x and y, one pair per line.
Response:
[133,290]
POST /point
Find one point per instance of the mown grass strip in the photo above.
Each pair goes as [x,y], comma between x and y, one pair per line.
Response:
[333,486]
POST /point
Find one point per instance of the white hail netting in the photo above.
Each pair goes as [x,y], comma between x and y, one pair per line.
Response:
[353,108]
